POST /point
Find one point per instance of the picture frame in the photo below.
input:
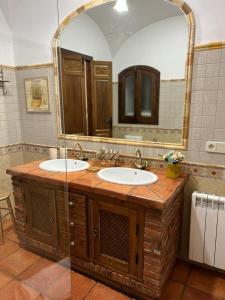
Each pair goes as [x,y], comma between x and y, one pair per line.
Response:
[37,94]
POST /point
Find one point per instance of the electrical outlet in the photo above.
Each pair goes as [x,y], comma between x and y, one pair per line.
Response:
[215,147]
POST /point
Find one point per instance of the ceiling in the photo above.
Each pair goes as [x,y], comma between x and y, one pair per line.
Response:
[118,27]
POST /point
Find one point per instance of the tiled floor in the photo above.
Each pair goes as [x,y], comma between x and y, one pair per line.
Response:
[26,276]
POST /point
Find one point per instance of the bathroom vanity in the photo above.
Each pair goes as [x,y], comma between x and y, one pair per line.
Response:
[125,236]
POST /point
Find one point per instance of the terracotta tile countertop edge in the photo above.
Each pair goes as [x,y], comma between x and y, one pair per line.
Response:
[153,196]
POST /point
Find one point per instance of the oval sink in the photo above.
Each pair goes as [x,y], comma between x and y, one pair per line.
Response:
[127,176]
[63,165]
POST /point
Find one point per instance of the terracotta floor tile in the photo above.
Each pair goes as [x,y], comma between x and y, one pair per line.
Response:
[181,271]
[70,283]
[43,297]
[7,248]
[12,236]
[42,274]
[80,285]
[61,288]
[17,262]
[172,291]
[207,281]
[193,294]
[7,224]
[5,279]
[102,292]
[18,291]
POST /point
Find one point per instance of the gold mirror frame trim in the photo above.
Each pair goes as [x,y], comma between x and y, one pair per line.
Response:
[188,76]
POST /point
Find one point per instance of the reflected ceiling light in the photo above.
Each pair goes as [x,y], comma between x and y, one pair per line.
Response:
[121,6]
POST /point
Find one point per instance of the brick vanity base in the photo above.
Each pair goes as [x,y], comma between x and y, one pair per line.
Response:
[160,231]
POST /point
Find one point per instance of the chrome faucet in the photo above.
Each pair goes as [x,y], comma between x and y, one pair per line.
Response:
[80,155]
[139,163]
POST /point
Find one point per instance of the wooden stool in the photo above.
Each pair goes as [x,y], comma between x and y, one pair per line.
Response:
[4,196]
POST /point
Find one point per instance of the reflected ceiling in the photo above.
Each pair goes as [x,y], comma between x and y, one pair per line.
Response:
[118,27]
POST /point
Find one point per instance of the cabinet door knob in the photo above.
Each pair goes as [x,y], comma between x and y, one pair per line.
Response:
[72,244]
[95,232]
[71,224]
[51,220]
[71,203]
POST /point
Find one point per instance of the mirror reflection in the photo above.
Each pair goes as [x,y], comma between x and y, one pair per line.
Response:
[122,74]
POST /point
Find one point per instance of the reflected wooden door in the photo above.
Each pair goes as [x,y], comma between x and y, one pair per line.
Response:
[102,98]
[73,91]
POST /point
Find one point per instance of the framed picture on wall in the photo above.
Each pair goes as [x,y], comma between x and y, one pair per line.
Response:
[37,94]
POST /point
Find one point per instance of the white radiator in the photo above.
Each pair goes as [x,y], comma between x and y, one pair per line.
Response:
[207,232]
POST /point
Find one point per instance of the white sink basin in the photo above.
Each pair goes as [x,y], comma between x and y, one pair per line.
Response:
[63,165]
[127,176]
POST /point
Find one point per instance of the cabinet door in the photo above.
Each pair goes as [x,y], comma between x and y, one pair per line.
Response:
[115,233]
[41,214]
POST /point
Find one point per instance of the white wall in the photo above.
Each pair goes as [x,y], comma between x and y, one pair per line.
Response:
[33,24]
[209,16]
[6,42]
[157,46]
[84,36]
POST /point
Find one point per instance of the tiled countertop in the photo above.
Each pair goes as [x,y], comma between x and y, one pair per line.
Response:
[155,196]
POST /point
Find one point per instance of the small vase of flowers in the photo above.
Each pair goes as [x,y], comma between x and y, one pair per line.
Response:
[174,159]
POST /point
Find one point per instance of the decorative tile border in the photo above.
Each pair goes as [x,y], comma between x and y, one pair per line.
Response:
[210,46]
[149,129]
[27,67]
[10,149]
[173,80]
[209,171]
[41,149]
[163,80]
[7,67]
[217,172]
[34,66]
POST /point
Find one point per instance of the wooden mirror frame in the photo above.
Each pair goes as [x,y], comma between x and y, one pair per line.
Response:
[188,77]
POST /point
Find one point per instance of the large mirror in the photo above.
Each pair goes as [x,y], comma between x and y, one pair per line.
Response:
[122,75]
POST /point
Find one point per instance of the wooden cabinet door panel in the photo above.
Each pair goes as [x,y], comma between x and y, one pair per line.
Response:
[115,237]
[41,214]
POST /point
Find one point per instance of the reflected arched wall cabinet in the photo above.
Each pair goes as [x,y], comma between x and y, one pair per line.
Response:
[139,95]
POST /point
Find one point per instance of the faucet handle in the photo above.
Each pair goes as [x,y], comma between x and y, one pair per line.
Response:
[84,157]
[99,154]
[132,163]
